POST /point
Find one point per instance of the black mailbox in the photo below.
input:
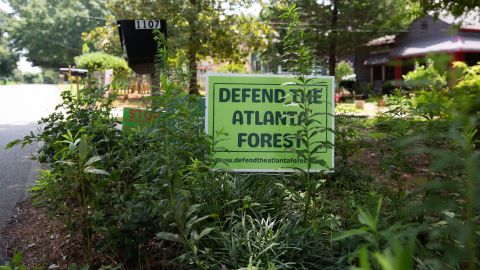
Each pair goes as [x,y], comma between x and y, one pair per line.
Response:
[138,44]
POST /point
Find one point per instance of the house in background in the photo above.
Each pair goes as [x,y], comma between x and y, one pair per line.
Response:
[387,58]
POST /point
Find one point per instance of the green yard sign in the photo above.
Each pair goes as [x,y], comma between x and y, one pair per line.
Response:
[138,118]
[254,119]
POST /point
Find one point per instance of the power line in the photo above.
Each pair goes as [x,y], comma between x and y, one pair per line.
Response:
[358,30]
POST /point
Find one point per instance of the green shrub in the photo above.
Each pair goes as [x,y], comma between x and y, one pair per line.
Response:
[231,68]
[50,76]
[149,198]
[16,263]
[17,76]
[100,61]
[342,69]
[34,78]
[425,77]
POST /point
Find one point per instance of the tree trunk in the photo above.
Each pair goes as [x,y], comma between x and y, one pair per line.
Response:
[332,52]
[192,67]
[192,49]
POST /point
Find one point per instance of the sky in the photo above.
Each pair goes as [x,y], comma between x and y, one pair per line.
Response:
[23,65]
[4,6]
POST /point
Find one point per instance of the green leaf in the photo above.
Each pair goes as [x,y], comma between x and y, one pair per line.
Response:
[205,232]
[83,148]
[363,258]
[93,170]
[379,207]
[66,162]
[366,219]
[195,220]
[385,259]
[350,233]
[290,83]
[169,236]
[17,259]
[72,266]
[93,160]
[12,144]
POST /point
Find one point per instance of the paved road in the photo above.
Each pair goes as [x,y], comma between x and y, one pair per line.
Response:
[20,108]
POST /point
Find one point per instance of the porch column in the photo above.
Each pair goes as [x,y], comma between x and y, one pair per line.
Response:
[459,56]
[398,72]
[371,74]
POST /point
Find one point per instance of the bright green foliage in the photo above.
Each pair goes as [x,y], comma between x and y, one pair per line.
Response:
[336,28]
[51,30]
[467,91]
[441,128]
[149,199]
[231,68]
[8,60]
[391,248]
[50,76]
[456,7]
[15,264]
[299,57]
[425,77]
[151,195]
[342,69]
[431,104]
[103,38]
[101,61]
[32,78]
[88,111]
[200,29]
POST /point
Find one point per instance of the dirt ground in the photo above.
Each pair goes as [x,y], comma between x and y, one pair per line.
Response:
[44,241]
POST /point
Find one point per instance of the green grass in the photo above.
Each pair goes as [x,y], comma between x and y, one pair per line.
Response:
[346,108]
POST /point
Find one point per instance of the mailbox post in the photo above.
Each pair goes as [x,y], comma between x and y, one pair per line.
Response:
[139,46]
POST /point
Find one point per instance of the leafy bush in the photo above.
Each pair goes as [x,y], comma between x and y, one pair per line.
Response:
[15,264]
[148,199]
[425,77]
[50,76]
[101,61]
[34,78]
[231,68]
[17,75]
[342,69]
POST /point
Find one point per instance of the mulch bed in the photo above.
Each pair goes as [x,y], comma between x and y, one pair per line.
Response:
[43,240]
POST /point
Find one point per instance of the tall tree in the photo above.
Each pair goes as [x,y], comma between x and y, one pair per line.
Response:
[103,38]
[199,29]
[456,7]
[336,27]
[51,30]
[8,57]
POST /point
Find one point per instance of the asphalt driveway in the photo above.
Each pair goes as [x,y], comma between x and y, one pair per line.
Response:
[21,106]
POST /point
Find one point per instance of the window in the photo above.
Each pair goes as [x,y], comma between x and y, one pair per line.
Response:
[389,73]
[377,73]
[407,67]
[472,58]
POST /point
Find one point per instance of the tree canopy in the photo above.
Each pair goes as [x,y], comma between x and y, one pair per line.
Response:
[50,30]
[200,29]
[456,7]
[335,28]
[8,57]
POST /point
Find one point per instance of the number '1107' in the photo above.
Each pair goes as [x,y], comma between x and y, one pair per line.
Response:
[147,24]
